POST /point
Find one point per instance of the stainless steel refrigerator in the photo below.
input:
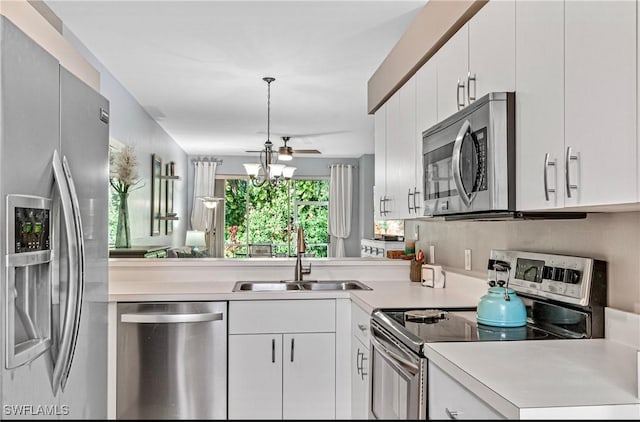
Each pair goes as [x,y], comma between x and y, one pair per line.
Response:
[54,170]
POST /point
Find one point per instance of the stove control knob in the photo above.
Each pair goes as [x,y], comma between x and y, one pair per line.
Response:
[547,273]
[558,274]
[572,276]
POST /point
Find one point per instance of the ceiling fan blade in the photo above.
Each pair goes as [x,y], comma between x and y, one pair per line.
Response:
[304,135]
[254,151]
[306,151]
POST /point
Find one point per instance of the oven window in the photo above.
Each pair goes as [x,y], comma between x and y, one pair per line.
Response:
[390,390]
[438,176]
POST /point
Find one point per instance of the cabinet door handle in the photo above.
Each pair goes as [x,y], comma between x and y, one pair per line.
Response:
[415,194]
[359,355]
[547,164]
[273,350]
[470,78]
[409,195]
[460,85]
[292,347]
[452,414]
[362,367]
[380,207]
[567,174]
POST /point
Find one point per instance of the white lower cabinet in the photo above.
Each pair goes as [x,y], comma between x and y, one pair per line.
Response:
[359,363]
[448,399]
[282,359]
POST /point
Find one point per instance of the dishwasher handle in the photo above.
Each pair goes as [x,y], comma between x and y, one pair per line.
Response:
[164,318]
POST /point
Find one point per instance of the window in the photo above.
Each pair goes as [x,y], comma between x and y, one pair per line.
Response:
[258,216]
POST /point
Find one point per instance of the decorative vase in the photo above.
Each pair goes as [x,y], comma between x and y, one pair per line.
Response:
[123,230]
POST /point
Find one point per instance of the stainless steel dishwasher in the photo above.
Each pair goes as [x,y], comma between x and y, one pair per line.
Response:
[172,360]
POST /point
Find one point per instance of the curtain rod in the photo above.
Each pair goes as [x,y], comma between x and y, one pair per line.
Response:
[343,165]
[206,160]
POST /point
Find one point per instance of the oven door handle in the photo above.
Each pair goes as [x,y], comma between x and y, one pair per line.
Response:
[399,362]
[465,197]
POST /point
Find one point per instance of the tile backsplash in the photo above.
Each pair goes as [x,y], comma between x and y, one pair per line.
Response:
[611,237]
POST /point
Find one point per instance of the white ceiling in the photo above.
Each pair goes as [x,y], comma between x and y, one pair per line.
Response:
[197,66]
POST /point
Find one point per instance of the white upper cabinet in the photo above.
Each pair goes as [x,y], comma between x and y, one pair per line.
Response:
[390,199]
[492,50]
[379,160]
[600,102]
[398,164]
[452,61]
[426,117]
[539,105]
[478,59]
[576,100]
[573,67]
[401,147]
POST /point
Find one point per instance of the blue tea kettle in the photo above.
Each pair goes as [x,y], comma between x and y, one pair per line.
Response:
[501,306]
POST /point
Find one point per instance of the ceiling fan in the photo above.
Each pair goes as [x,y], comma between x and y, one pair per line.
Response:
[285,152]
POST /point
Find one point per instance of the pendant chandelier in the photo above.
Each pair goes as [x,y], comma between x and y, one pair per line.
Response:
[266,170]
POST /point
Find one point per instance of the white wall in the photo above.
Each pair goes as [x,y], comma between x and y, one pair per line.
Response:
[612,237]
[366,172]
[132,125]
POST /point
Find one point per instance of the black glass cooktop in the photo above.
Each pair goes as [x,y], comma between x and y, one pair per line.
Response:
[433,325]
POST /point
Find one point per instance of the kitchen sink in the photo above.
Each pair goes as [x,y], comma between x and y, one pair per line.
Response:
[258,286]
[286,285]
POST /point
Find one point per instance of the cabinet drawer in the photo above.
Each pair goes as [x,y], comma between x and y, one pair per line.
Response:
[360,323]
[448,399]
[282,316]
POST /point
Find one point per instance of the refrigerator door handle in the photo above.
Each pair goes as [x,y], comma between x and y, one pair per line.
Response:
[75,256]
[81,266]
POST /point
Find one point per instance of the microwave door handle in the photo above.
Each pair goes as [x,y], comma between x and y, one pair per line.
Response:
[455,164]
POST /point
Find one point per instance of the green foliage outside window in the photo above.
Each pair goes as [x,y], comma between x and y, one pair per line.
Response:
[268,214]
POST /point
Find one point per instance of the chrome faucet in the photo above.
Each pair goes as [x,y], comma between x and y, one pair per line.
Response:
[301,249]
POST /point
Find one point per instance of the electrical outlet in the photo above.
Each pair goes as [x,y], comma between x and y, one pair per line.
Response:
[467,259]
[432,254]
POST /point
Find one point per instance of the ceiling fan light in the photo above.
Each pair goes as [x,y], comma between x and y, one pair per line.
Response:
[285,153]
[252,169]
[275,170]
[287,172]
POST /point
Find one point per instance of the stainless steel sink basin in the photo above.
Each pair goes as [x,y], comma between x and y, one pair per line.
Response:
[334,285]
[270,286]
[258,286]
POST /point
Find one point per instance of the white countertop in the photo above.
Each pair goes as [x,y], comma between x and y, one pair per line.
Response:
[516,375]
[213,279]
[511,376]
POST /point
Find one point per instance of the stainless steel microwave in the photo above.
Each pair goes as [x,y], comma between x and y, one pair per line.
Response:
[469,160]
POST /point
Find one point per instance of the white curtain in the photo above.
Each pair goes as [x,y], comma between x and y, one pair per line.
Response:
[340,206]
[203,185]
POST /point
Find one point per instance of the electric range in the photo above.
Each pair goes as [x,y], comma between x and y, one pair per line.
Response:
[564,297]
